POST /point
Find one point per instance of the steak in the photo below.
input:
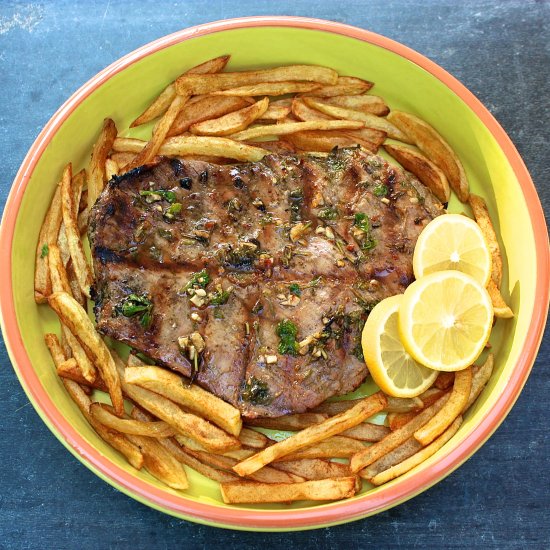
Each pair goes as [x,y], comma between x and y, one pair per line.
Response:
[255,280]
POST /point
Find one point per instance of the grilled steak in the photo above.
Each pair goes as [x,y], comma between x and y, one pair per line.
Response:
[256,279]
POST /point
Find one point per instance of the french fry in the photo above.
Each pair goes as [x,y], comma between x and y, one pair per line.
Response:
[291,422]
[160,132]
[336,446]
[197,145]
[58,274]
[205,84]
[394,404]
[70,369]
[160,463]
[252,492]
[370,120]
[452,408]
[314,468]
[326,141]
[185,458]
[232,122]
[376,137]
[394,439]
[209,436]
[163,101]
[400,453]
[113,438]
[78,258]
[96,169]
[270,88]
[444,380]
[345,85]
[500,308]
[266,475]
[205,108]
[292,127]
[172,386]
[304,112]
[419,457]
[423,168]
[122,160]
[77,321]
[73,283]
[111,169]
[432,144]
[252,438]
[483,219]
[128,426]
[429,397]
[367,432]
[278,146]
[48,235]
[314,434]
[277,110]
[364,103]
[479,380]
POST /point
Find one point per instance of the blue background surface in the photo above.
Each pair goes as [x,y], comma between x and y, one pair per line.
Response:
[501,497]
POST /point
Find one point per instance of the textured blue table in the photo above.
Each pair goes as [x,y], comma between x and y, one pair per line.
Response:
[501,497]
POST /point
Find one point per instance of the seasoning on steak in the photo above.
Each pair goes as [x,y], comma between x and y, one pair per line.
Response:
[256,279]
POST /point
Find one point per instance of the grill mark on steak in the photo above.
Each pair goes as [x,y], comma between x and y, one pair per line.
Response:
[234,223]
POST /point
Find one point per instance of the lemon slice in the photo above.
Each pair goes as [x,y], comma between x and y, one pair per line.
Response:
[392,368]
[445,320]
[452,241]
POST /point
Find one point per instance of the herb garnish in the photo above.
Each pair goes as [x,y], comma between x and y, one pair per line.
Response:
[295,289]
[198,280]
[380,190]
[287,331]
[139,305]
[328,213]
[256,392]
[44,251]
[219,297]
[155,195]
[362,222]
[170,213]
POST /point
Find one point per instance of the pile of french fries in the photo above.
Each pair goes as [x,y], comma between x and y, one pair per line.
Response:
[154,417]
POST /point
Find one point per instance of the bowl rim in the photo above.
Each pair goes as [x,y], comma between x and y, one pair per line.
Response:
[249,519]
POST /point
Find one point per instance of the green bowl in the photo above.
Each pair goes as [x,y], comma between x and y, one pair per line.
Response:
[407,81]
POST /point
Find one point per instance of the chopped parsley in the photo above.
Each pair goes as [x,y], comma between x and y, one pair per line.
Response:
[44,251]
[380,190]
[287,331]
[170,213]
[138,305]
[219,297]
[362,222]
[256,392]
[156,195]
[295,289]
[328,213]
[198,280]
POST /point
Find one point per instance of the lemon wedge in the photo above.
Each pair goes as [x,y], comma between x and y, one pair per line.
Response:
[452,241]
[392,368]
[445,320]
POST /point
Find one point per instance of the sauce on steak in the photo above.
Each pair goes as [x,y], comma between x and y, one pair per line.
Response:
[256,279]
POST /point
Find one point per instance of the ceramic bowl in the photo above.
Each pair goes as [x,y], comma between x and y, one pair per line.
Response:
[408,81]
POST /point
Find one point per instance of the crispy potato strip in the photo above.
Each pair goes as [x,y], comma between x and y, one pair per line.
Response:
[205,108]
[323,489]
[326,141]
[337,446]
[367,432]
[345,85]
[163,101]
[500,307]
[252,438]
[370,120]
[480,378]
[70,369]
[204,84]
[127,426]
[209,436]
[80,264]
[314,468]
[290,422]
[483,219]
[232,122]
[48,235]
[432,144]
[292,127]
[197,145]
[270,88]
[452,408]
[96,169]
[364,103]
[394,439]
[419,457]
[423,168]
[77,321]
[314,434]
[192,397]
